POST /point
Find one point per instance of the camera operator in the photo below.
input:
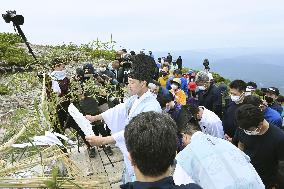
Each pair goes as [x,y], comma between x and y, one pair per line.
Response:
[125,64]
[90,105]
[58,85]
[103,77]
[107,75]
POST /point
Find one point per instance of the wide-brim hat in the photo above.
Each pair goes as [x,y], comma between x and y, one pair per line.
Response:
[176,81]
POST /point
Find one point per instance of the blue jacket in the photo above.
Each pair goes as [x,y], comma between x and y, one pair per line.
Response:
[277,107]
[273,117]
[184,84]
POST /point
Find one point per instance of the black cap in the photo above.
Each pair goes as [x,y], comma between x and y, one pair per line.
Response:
[143,68]
[89,68]
[273,90]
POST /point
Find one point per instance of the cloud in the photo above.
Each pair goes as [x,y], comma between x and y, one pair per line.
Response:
[158,25]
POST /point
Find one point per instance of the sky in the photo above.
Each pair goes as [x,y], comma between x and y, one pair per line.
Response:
[157,25]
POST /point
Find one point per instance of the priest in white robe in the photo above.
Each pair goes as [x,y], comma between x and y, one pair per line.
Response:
[142,100]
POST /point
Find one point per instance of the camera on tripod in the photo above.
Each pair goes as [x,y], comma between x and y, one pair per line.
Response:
[127,62]
[11,16]
[206,64]
[18,20]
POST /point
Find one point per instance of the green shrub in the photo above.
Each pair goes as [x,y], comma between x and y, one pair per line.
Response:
[220,79]
[10,53]
[4,90]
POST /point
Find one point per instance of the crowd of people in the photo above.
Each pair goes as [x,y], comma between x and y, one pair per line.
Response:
[215,136]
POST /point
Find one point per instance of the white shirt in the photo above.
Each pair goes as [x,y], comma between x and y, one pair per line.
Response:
[119,116]
[214,163]
[211,124]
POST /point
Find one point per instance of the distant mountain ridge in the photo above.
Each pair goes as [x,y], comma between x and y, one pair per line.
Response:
[265,67]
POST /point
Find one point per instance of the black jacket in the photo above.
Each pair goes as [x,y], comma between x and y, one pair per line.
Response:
[165,183]
[211,99]
[229,120]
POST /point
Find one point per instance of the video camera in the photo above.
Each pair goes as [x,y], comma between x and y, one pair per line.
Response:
[206,64]
[11,16]
[127,62]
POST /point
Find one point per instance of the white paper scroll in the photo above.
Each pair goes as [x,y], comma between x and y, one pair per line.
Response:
[82,122]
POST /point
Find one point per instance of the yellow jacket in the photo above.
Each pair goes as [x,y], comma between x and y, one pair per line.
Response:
[163,81]
[179,95]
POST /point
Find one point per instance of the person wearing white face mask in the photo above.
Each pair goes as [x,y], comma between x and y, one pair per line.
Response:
[262,142]
[237,98]
[208,93]
[179,95]
[183,81]
[58,84]
[59,81]
[237,91]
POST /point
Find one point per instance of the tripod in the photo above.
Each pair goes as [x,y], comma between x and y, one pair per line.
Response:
[18,20]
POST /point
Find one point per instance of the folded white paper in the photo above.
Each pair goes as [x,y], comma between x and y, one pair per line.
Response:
[48,139]
[82,122]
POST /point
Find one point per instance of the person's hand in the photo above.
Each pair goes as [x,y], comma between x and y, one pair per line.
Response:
[91,118]
[95,140]
[98,140]
[228,138]
[171,104]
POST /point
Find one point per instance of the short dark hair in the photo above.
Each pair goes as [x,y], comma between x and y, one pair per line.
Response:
[177,72]
[150,139]
[252,99]
[190,128]
[187,115]
[252,84]
[240,85]
[248,116]
[164,98]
